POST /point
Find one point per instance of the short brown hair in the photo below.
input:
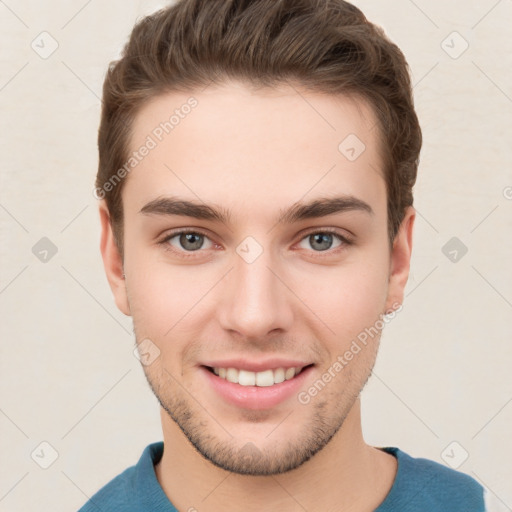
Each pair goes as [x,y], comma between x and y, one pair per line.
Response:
[325,46]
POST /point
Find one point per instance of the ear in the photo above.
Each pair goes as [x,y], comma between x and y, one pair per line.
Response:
[112,261]
[400,261]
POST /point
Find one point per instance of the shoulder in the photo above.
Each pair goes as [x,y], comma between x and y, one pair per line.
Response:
[425,485]
[114,496]
[126,490]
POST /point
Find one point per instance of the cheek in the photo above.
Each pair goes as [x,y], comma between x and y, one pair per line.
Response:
[168,305]
[348,298]
[161,306]
[160,294]
[159,315]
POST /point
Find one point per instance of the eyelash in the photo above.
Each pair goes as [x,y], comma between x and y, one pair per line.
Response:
[345,241]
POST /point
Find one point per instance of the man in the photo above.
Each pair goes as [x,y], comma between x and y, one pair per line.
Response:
[257,160]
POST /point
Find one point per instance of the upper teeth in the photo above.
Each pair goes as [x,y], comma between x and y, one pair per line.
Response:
[265,378]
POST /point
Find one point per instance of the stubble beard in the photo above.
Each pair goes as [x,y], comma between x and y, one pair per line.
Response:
[245,458]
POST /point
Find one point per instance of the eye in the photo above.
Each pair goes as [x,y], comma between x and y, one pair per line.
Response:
[322,241]
[187,241]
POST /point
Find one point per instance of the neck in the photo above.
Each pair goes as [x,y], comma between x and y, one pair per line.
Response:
[346,475]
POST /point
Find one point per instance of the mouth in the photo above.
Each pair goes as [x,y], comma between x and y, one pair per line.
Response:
[264,378]
[256,385]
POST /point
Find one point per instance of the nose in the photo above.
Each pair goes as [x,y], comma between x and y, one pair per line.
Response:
[255,301]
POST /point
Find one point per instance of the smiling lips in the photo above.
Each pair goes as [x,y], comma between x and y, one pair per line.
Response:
[262,379]
[256,385]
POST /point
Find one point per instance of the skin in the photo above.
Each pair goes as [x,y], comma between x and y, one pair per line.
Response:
[257,153]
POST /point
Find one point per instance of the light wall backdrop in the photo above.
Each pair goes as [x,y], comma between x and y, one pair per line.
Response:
[75,408]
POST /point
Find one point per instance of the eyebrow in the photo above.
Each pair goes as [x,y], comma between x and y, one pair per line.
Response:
[299,211]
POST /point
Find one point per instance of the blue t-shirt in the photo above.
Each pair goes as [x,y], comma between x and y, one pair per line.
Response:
[420,485]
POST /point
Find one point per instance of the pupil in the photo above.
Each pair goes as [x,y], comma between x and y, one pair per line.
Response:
[325,240]
[191,241]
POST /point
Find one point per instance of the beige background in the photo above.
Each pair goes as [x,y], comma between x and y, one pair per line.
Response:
[68,374]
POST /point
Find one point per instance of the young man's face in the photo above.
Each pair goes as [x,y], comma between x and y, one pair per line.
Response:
[269,287]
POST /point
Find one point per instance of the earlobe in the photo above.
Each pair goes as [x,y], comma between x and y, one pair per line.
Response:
[400,261]
[112,261]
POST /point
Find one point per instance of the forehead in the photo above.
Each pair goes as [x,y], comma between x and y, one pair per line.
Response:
[234,144]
